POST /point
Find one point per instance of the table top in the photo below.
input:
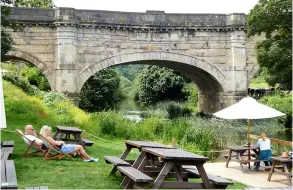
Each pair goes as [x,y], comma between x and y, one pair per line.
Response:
[241,148]
[68,129]
[140,144]
[174,154]
[280,159]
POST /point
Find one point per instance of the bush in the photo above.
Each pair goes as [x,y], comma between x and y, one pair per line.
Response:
[35,77]
[176,110]
[159,84]
[19,81]
[204,139]
[51,98]
[281,102]
[101,91]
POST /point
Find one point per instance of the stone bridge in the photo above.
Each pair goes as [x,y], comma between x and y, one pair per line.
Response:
[71,45]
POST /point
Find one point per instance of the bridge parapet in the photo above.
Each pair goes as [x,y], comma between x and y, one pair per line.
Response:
[149,19]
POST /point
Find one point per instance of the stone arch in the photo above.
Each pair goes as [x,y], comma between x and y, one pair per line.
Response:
[170,60]
[26,56]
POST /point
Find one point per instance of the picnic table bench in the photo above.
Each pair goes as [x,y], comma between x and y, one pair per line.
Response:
[40,187]
[8,175]
[129,146]
[7,147]
[242,151]
[218,183]
[65,134]
[138,175]
[7,144]
[283,162]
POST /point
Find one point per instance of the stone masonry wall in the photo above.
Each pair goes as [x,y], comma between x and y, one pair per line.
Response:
[70,45]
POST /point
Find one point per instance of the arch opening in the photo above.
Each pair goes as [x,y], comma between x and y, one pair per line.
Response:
[32,59]
[206,76]
[208,79]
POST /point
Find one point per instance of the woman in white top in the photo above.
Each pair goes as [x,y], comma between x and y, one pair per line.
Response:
[265,154]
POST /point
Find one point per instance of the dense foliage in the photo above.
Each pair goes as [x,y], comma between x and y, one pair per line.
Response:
[274,19]
[34,3]
[25,76]
[159,84]
[130,71]
[6,25]
[101,91]
[282,102]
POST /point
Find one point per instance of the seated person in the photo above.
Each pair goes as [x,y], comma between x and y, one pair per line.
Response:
[66,148]
[264,145]
[31,135]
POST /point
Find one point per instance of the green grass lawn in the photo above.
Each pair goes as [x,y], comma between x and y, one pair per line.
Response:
[65,174]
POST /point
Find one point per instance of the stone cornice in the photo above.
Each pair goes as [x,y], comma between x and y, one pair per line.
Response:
[149,21]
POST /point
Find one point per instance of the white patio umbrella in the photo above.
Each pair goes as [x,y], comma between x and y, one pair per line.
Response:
[248,108]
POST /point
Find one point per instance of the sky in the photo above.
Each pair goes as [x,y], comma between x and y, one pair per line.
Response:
[169,6]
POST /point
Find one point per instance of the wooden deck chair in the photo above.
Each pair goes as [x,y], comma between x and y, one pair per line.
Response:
[31,145]
[51,148]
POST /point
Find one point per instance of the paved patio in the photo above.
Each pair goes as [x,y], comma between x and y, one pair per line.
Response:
[257,179]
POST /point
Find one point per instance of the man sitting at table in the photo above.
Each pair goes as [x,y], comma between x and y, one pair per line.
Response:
[265,154]
[31,135]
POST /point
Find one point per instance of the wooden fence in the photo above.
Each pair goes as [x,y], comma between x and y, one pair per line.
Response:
[280,145]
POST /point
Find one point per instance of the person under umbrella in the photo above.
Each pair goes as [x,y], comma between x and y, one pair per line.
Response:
[265,154]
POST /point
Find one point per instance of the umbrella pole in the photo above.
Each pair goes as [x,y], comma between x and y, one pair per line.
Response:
[248,131]
[248,136]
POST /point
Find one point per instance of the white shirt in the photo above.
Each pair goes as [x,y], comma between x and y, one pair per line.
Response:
[264,145]
[32,138]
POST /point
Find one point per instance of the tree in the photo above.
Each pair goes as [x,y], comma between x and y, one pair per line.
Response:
[34,3]
[6,40]
[274,19]
[101,91]
[158,84]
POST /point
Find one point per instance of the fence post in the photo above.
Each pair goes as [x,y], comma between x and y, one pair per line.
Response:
[83,134]
[174,142]
[279,149]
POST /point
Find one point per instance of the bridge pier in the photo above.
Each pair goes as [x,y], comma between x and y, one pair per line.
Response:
[74,97]
[211,102]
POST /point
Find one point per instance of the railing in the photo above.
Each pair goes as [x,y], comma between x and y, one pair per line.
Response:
[280,145]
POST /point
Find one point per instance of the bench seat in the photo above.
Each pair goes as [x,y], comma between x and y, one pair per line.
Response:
[5,152]
[5,155]
[235,155]
[7,149]
[33,188]
[135,174]
[135,178]
[216,181]
[116,161]
[87,142]
[8,175]
[7,144]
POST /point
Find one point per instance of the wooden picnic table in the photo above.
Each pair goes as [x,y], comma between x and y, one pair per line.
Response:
[284,171]
[240,153]
[65,134]
[173,160]
[129,146]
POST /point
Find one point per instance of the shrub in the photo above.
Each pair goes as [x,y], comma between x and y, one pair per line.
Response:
[174,111]
[281,102]
[35,77]
[51,98]
[204,140]
[19,81]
